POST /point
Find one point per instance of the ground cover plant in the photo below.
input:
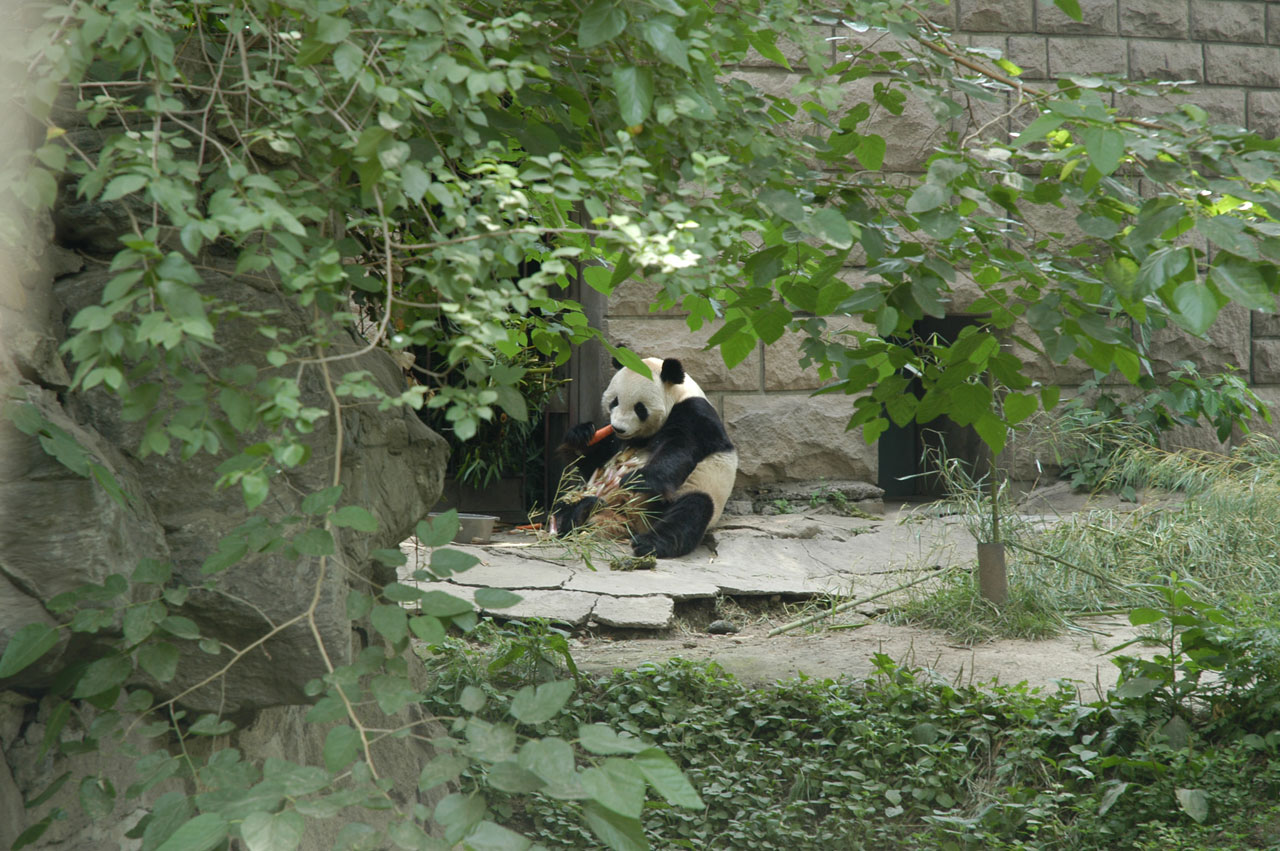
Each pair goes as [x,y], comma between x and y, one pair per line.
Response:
[1170,759]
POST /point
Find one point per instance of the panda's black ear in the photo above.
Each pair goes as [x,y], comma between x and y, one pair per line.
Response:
[617,364]
[672,372]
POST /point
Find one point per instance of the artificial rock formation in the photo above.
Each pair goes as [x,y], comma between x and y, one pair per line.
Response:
[60,530]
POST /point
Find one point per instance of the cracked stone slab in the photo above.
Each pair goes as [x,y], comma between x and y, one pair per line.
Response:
[504,574]
[643,583]
[571,607]
[804,526]
[654,612]
[762,577]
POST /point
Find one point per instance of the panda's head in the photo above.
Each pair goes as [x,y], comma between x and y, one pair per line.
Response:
[637,406]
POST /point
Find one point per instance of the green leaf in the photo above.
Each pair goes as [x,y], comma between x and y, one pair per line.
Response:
[928,196]
[122,186]
[535,705]
[97,797]
[103,675]
[1105,148]
[348,60]
[490,836]
[992,430]
[509,776]
[211,725]
[458,814]
[312,51]
[391,622]
[1197,307]
[601,739]
[764,41]
[870,152]
[783,204]
[1193,802]
[496,598]
[1017,407]
[616,784]
[203,833]
[267,832]
[1039,128]
[331,30]
[603,21]
[160,660]
[255,487]
[427,629]
[322,500]
[1142,616]
[1071,8]
[667,779]
[179,626]
[1049,396]
[1113,794]
[398,592]
[1227,233]
[439,530]
[490,742]
[441,769]
[1242,282]
[630,360]
[1136,687]
[550,758]
[618,832]
[26,646]
[314,542]
[634,88]
[1161,266]
[340,747]
[35,831]
[832,227]
[664,41]
[355,517]
[443,605]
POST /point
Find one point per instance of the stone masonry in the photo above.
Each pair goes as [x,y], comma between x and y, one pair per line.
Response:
[1228,51]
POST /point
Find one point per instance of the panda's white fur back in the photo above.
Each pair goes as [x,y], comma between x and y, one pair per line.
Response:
[713,476]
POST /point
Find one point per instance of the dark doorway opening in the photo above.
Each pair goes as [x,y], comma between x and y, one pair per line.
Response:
[909,455]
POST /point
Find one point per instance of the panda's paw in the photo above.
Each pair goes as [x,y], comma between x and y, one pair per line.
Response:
[644,544]
[579,437]
[569,516]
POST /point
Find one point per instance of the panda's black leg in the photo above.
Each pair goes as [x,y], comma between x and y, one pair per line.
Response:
[569,516]
[678,530]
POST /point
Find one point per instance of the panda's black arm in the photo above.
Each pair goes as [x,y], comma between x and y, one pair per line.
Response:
[691,433]
[587,458]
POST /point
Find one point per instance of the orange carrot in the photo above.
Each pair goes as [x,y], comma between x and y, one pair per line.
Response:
[600,435]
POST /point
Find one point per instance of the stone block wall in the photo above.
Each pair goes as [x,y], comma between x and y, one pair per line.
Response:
[1228,50]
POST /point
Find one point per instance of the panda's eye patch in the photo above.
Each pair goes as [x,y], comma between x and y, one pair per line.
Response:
[641,411]
[613,403]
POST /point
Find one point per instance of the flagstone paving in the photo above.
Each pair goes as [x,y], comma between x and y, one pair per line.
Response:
[787,556]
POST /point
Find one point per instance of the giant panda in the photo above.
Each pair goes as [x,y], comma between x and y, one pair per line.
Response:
[667,448]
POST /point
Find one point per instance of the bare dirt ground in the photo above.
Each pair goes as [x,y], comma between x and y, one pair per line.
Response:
[1078,658]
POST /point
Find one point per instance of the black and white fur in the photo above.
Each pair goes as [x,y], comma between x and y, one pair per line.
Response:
[687,463]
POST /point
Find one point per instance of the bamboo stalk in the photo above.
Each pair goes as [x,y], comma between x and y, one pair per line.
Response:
[849,605]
